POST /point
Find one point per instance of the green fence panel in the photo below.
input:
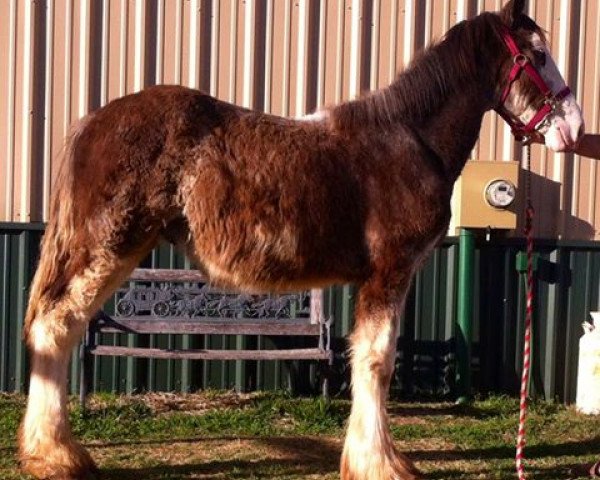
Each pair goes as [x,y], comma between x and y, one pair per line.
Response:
[19,244]
[567,288]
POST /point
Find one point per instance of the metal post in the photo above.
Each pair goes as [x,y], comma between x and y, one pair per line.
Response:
[86,363]
[326,373]
[466,256]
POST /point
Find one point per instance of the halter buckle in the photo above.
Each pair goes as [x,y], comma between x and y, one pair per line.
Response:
[524,139]
[521,59]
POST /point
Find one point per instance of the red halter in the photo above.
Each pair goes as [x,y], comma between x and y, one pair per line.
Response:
[522,62]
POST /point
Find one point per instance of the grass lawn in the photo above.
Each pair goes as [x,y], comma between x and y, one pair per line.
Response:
[221,435]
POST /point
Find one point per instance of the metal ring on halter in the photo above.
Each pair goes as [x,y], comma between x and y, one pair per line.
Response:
[521,59]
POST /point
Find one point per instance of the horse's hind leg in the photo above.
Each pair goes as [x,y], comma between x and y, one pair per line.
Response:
[57,321]
[369,452]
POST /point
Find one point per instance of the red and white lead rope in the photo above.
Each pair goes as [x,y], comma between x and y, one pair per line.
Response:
[528,317]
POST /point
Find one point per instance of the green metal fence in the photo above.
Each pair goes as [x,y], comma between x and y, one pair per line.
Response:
[568,287]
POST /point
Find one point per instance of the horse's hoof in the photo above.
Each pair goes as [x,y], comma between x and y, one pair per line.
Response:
[71,464]
[396,468]
[41,469]
[404,469]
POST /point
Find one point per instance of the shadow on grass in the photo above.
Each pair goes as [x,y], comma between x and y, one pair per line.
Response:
[559,472]
[230,469]
[563,472]
[292,456]
[281,442]
[585,447]
[161,441]
[303,456]
[436,410]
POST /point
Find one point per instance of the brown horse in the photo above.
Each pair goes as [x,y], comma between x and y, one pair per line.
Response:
[358,193]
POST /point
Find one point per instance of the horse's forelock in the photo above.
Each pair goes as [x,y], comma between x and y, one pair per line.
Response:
[530,26]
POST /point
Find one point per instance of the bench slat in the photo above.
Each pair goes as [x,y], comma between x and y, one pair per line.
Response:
[207,326]
[290,354]
[167,275]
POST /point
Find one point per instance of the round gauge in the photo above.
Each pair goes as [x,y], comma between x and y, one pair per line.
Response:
[500,193]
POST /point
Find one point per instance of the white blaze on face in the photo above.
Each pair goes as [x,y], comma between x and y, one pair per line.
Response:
[563,128]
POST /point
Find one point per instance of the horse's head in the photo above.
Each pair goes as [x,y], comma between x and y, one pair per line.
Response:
[532,95]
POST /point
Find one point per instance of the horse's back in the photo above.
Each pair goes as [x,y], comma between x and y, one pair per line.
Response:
[267,195]
[258,200]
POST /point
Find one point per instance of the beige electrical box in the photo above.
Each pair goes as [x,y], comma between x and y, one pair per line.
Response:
[485,196]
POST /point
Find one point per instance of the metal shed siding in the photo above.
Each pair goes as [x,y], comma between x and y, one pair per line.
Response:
[63,58]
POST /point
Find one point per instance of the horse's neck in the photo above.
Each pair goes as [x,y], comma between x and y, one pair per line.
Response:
[444,101]
[452,131]
[443,106]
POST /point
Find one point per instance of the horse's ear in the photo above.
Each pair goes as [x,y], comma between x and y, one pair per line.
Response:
[512,11]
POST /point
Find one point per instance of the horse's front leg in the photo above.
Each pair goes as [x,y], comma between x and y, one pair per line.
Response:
[369,452]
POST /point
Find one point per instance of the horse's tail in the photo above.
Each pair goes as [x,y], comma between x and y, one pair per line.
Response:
[57,251]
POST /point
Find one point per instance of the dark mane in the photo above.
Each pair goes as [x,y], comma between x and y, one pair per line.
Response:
[431,77]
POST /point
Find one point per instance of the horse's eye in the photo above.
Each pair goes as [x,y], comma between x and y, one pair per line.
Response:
[540,57]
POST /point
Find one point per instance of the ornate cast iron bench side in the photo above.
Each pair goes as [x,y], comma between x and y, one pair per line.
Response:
[162,308]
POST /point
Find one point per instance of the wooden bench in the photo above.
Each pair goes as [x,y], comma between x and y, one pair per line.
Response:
[161,301]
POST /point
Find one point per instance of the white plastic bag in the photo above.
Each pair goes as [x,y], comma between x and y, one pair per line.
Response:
[588,377]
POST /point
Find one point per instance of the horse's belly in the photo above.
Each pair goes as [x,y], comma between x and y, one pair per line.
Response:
[262,257]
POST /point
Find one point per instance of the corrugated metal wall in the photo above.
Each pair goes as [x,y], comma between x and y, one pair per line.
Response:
[60,59]
[568,287]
